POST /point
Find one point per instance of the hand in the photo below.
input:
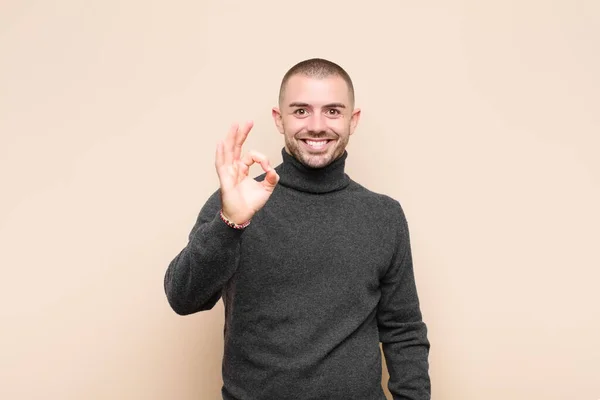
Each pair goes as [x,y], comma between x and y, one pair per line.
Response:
[241,195]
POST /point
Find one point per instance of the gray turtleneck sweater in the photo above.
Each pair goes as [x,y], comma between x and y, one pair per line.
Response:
[320,277]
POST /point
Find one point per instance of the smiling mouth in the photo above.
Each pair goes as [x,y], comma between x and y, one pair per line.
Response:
[316,144]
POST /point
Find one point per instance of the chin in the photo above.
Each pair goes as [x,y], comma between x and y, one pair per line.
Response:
[316,160]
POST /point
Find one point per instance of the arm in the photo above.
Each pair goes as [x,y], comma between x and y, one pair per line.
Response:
[402,332]
[195,277]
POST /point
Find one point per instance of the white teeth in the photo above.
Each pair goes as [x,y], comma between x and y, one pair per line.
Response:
[319,143]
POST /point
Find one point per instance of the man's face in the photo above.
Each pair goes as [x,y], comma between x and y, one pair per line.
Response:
[316,117]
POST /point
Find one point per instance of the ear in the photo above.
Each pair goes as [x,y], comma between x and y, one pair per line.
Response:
[276,113]
[354,119]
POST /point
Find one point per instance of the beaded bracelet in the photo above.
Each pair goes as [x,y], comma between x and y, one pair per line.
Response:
[231,223]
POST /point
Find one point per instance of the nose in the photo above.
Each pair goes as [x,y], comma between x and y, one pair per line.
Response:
[316,123]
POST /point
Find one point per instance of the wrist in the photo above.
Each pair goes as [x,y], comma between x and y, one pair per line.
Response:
[232,224]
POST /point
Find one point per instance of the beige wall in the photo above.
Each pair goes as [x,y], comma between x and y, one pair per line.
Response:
[482,118]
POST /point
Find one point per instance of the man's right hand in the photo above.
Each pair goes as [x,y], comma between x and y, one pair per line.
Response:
[242,196]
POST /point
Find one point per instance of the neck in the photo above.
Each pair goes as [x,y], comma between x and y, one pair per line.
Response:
[295,175]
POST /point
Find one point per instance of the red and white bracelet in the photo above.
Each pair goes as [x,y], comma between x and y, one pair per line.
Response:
[231,223]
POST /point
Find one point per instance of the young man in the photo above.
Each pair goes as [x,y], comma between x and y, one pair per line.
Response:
[314,269]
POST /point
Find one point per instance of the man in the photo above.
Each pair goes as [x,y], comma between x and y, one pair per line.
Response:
[314,269]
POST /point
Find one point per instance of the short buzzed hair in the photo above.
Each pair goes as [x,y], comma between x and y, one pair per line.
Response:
[317,68]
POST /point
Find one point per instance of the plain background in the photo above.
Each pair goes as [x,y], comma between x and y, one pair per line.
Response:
[481,117]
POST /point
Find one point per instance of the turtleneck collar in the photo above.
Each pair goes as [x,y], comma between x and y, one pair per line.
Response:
[295,175]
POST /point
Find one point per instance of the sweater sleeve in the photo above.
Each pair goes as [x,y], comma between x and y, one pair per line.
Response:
[196,276]
[402,332]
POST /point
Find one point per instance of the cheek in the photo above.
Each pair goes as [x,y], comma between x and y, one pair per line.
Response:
[339,126]
[294,125]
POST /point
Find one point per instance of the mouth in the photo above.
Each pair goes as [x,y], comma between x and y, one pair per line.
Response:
[316,144]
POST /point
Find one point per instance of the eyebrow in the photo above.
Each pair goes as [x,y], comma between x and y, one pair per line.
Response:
[330,105]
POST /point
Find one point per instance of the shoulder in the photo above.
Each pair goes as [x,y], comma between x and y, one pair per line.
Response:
[385,208]
[362,193]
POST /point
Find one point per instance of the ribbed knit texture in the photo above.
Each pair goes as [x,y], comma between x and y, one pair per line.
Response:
[321,276]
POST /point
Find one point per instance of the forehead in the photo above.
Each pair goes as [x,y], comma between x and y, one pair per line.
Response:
[316,91]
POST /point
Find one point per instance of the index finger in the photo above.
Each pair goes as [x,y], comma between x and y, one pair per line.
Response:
[240,138]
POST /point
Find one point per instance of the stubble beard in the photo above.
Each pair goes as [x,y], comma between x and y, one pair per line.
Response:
[315,161]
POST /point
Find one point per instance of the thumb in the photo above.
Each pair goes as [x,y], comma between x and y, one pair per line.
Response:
[271,179]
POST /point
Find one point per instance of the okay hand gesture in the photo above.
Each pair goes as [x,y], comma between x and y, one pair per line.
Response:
[241,195]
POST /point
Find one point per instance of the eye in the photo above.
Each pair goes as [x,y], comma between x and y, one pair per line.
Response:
[333,111]
[300,111]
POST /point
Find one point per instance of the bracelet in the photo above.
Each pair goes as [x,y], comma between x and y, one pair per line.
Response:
[231,223]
